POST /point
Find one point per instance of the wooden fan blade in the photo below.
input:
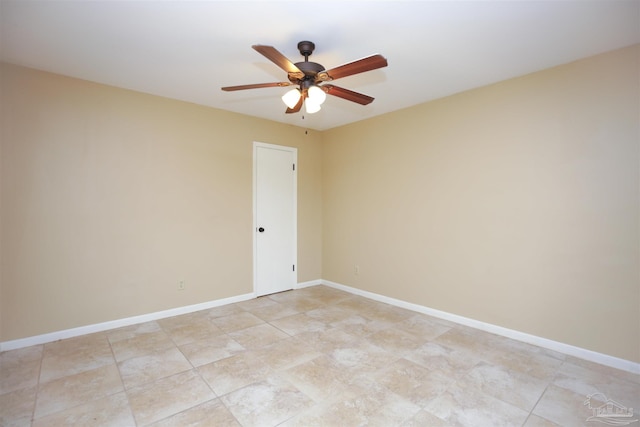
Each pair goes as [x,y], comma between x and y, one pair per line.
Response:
[255,86]
[347,94]
[369,63]
[273,55]
[297,107]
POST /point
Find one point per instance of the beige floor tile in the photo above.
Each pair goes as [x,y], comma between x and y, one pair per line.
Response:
[256,304]
[290,298]
[222,311]
[299,303]
[16,376]
[425,419]
[388,313]
[325,294]
[536,421]
[422,327]
[74,355]
[236,322]
[395,340]
[141,345]
[522,357]
[110,411]
[16,407]
[585,381]
[331,315]
[194,331]
[258,336]
[73,390]
[232,373]
[70,346]
[451,362]
[444,322]
[360,326]
[132,331]
[362,359]
[466,339]
[211,349]
[273,312]
[329,340]
[266,403]
[144,369]
[605,370]
[175,322]
[211,413]
[12,358]
[172,322]
[298,323]
[469,407]
[534,364]
[286,353]
[563,407]
[413,382]
[510,346]
[321,379]
[513,387]
[376,407]
[168,396]
[357,303]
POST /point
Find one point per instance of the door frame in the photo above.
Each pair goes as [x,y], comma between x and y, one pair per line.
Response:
[294,152]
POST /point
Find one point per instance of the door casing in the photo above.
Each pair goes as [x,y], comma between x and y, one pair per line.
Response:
[294,273]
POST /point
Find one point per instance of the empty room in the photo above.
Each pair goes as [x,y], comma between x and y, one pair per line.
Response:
[347,213]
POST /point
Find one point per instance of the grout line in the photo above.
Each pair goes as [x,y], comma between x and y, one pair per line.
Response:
[124,388]
[549,383]
[536,404]
[35,400]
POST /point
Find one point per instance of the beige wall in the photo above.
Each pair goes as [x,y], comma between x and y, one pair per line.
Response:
[109,197]
[515,204]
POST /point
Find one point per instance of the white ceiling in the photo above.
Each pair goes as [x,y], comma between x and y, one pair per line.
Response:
[188,50]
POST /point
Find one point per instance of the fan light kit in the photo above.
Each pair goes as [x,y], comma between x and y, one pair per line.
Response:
[308,76]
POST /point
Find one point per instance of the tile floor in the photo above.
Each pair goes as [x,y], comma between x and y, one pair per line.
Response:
[310,357]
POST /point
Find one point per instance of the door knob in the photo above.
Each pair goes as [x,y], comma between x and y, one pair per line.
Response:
[261,229]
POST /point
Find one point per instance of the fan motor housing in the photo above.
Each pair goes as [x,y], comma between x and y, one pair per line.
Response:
[311,72]
[309,68]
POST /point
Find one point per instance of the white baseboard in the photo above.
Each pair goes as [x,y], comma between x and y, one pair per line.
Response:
[104,326]
[119,323]
[307,284]
[581,353]
[603,359]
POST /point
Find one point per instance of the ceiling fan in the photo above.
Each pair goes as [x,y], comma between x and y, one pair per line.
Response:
[308,76]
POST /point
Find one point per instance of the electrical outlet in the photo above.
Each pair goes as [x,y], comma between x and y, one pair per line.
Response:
[181,285]
[356,269]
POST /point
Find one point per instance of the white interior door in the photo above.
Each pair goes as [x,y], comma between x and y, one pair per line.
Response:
[275,206]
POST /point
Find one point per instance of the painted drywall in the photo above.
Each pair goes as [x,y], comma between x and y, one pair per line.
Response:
[515,204]
[110,197]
